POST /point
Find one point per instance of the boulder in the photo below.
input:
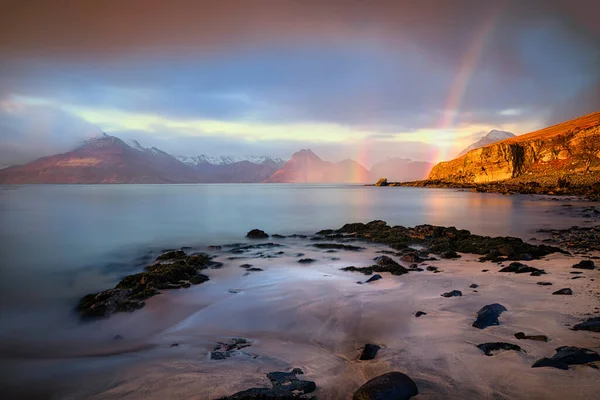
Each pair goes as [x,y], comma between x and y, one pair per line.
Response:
[592,325]
[369,352]
[420,313]
[306,260]
[545,283]
[450,254]
[285,385]
[256,234]
[568,355]
[374,278]
[393,385]
[488,316]
[519,268]
[585,264]
[565,291]
[453,293]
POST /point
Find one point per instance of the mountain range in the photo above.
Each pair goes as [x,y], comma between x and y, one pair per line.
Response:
[108,159]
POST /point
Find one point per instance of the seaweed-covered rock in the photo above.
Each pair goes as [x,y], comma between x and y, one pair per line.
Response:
[565,291]
[585,264]
[257,234]
[369,352]
[488,315]
[523,336]
[285,385]
[412,258]
[450,254]
[384,264]
[568,355]
[225,350]
[337,246]
[453,293]
[489,348]
[592,325]
[393,385]
[179,271]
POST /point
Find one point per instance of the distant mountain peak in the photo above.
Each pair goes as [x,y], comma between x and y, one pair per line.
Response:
[204,159]
[493,136]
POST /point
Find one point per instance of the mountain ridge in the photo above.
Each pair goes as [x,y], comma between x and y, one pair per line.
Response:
[491,137]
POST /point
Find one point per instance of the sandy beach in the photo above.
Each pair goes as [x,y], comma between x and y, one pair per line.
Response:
[317,318]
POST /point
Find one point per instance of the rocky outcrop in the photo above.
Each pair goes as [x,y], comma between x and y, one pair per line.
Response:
[557,149]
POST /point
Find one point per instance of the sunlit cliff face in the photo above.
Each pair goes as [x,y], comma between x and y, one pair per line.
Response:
[359,80]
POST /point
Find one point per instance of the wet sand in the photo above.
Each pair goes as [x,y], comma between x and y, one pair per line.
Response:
[316,317]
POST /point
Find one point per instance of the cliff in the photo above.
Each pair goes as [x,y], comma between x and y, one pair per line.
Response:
[546,155]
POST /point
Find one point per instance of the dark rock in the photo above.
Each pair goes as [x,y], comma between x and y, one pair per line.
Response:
[565,291]
[277,236]
[545,283]
[375,277]
[585,264]
[337,246]
[567,355]
[384,264]
[299,255]
[523,336]
[519,268]
[489,348]
[450,254]
[393,385]
[592,325]
[488,315]
[484,270]
[175,345]
[474,286]
[306,260]
[254,269]
[246,266]
[285,385]
[454,293]
[369,352]
[577,277]
[420,313]
[431,268]
[411,258]
[171,255]
[576,272]
[215,247]
[256,234]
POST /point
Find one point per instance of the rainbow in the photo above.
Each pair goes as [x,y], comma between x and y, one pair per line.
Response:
[460,83]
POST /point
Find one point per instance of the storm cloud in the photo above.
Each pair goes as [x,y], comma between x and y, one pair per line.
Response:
[378,70]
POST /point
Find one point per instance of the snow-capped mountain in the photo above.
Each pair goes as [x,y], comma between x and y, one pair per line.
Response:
[228,160]
[492,137]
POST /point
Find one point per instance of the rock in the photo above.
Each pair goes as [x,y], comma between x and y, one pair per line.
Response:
[171,255]
[540,338]
[285,385]
[384,264]
[565,291]
[215,247]
[585,264]
[545,283]
[411,258]
[454,293]
[256,234]
[450,254]
[254,269]
[431,268]
[375,277]
[488,315]
[393,385]
[175,345]
[474,286]
[484,270]
[246,266]
[519,268]
[337,246]
[118,337]
[592,325]
[306,260]
[382,182]
[567,355]
[420,313]
[225,350]
[278,236]
[489,348]
[576,272]
[369,352]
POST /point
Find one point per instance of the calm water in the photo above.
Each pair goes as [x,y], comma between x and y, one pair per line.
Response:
[60,242]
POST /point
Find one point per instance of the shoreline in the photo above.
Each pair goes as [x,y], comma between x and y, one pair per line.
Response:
[584,192]
[317,318]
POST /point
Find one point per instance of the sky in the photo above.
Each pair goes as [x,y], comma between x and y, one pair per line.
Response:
[360,79]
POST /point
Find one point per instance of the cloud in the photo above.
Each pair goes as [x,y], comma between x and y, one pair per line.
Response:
[33,131]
